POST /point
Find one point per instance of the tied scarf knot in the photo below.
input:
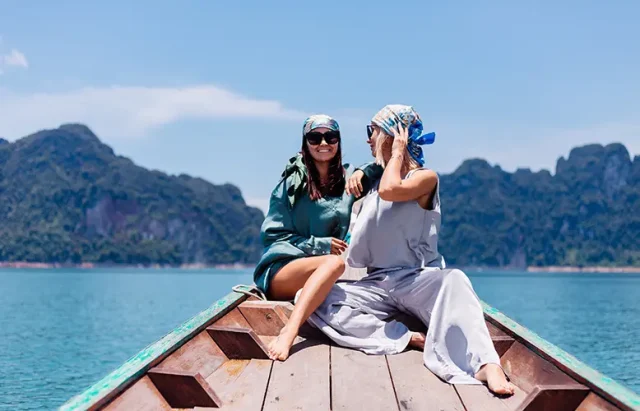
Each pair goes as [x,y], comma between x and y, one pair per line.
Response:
[393,115]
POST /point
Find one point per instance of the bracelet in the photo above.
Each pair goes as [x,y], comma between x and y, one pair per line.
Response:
[396,156]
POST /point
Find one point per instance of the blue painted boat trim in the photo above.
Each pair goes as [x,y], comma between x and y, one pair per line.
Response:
[599,383]
[107,388]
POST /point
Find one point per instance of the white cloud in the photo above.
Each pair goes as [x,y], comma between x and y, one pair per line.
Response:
[129,112]
[15,58]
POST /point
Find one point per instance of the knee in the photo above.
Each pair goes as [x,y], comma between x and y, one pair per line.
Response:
[335,264]
[458,278]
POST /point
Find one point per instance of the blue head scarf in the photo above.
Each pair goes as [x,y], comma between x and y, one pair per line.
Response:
[392,115]
[319,121]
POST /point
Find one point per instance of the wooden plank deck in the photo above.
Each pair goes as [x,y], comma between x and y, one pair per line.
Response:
[242,384]
[301,382]
[417,388]
[318,376]
[360,381]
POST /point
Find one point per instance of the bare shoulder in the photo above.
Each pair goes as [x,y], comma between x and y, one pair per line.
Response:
[425,175]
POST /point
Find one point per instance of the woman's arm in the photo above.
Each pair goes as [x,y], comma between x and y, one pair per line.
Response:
[363,178]
[278,226]
[393,187]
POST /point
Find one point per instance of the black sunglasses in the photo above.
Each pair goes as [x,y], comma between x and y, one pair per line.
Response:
[369,131]
[315,138]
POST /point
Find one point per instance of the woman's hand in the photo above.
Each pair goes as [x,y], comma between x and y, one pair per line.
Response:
[338,246]
[354,183]
[400,141]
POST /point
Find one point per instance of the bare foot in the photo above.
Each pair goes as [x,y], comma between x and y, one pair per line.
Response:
[417,341]
[493,375]
[279,348]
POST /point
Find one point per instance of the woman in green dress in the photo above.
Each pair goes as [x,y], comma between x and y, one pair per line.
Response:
[304,231]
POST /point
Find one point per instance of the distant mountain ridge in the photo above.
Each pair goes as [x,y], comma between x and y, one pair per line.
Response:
[65,197]
[587,214]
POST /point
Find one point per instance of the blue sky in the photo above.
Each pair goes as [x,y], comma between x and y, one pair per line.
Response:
[220,89]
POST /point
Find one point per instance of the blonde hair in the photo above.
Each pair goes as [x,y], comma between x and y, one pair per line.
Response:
[408,163]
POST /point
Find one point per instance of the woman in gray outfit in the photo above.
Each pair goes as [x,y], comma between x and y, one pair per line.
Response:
[396,238]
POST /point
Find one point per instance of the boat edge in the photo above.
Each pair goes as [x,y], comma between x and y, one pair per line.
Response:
[115,382]
[600,383]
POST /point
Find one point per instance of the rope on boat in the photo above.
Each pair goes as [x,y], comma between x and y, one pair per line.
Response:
[249,290]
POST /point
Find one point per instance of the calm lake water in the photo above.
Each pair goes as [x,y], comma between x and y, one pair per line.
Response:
[63,330]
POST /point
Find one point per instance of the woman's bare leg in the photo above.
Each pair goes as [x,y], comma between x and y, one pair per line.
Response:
[324,271]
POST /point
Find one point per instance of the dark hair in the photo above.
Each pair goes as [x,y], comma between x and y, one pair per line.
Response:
[337,181]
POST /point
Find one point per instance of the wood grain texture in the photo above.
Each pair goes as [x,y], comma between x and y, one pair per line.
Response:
[183,389]
[238,343]
[596,403]
[502,344]
[141,396]
[494,331]
[360,381]
[263,317]
[233,319]
[554,398]
[479,398]
[528,370]
[199,355]
[302,381]
[417,388]
[247,392]
[226,375]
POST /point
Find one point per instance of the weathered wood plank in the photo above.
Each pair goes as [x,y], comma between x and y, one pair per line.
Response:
[528,370]
[419,389]
[502,344]
[494,331]
[302,381]
[247,391]
[604,386]
[233,318]
[596,403]
[264,317]
[360,381]
[199,355]
[110,386]
[238,343]
[226,375]
[554,398]
[479,398]
[183,389]
[141,396]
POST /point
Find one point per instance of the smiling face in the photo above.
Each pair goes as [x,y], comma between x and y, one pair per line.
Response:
[320,149]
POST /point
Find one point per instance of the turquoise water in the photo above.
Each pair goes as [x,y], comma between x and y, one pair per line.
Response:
[62,330]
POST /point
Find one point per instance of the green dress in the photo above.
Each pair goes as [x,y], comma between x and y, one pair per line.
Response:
[305,228]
